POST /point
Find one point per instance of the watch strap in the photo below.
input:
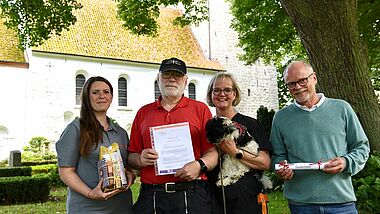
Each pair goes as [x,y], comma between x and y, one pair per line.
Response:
[203,166]
[239,155]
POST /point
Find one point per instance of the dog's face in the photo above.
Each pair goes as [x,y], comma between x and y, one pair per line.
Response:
[219,129]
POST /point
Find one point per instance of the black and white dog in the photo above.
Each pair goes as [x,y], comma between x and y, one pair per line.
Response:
[219,129]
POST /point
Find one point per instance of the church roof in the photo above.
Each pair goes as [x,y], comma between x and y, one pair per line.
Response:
[8,46]
[99,33]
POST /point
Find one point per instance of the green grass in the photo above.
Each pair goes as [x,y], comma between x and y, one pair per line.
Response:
[57,203]
[277,203]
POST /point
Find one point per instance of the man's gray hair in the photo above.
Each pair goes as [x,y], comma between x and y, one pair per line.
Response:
[292,64]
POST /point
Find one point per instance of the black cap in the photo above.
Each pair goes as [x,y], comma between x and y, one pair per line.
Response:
[173,64]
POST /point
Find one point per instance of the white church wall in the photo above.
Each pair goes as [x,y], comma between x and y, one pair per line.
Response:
[47,102]
[12,105]
[220,42]
[43,102]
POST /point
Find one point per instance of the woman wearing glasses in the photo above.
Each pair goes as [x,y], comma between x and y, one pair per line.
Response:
[241,197]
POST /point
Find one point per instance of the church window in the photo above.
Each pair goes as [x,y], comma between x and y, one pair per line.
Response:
[122,83]
[79,82]
[192,91]
[157,92]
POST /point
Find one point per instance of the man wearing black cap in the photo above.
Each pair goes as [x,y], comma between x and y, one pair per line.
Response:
[185,191]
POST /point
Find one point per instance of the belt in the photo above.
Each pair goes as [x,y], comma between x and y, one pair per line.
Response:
[172,187]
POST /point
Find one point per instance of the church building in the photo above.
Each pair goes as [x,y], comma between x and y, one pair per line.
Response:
[41,86]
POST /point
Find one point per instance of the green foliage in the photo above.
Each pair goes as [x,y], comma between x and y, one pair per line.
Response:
[4,163]
[265,31]
[277,182]
[140,16]
[35,21]
[369,27]
[52,171]
[40,162]
[265,118]
[284,96]
[37,143]
[47,168]
[24,189]
[55,179]
[277,203]
[38,150]
[15,171]
[375,77]
[367,186]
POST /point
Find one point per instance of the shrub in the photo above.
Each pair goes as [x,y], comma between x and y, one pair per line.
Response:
[52,171]
[24,189]
[40,162]
[15,171]
[4,163]
[265,118]
[367,186]
[47,168]
[55,179]
[38,150]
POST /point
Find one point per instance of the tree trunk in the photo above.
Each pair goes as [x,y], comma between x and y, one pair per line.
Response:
[329,31]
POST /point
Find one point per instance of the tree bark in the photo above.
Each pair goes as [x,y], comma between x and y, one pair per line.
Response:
[329,31]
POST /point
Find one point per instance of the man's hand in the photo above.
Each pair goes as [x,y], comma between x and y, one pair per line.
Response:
[148,157]
[284,173]
[189,171]
[335,165]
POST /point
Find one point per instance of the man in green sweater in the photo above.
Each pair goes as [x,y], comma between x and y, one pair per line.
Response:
[317,129]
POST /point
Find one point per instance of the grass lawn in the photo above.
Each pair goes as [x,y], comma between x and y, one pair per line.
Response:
[277,204]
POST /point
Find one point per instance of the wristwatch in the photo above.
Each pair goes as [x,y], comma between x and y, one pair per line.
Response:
[239,155]
[203,166]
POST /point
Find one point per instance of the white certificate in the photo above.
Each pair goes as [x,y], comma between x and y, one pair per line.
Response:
[173,145]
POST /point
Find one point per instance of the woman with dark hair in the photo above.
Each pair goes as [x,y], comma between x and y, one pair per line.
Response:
[224,94]
[78,153]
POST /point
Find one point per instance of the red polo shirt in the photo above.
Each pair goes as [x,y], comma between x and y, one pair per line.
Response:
[187,110]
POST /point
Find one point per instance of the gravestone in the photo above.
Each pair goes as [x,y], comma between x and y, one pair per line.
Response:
[15,158]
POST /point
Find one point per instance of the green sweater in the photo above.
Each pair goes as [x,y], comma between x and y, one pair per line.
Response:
[331,130]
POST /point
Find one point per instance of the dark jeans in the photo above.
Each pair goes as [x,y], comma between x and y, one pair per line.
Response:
[346,208]
[193,201]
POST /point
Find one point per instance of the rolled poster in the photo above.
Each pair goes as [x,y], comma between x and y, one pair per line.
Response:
[300,166]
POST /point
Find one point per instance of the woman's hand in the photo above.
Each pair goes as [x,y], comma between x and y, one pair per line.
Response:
[131,176]
[229,147]
[98,194]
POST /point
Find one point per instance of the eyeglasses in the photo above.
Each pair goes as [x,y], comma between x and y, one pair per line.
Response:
[176,75]
[226,91]
[301,82]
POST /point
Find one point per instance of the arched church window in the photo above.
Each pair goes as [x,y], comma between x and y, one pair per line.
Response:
[192,91]
[157,92]
[79,82]
[122,89]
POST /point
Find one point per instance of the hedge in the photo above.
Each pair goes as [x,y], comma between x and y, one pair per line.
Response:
[24,189]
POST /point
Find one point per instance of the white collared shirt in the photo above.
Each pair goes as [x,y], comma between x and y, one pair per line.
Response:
[321,97]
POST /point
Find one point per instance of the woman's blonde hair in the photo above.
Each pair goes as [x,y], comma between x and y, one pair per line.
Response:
[223,75]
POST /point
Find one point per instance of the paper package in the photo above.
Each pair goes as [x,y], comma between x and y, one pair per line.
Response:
[111,168]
